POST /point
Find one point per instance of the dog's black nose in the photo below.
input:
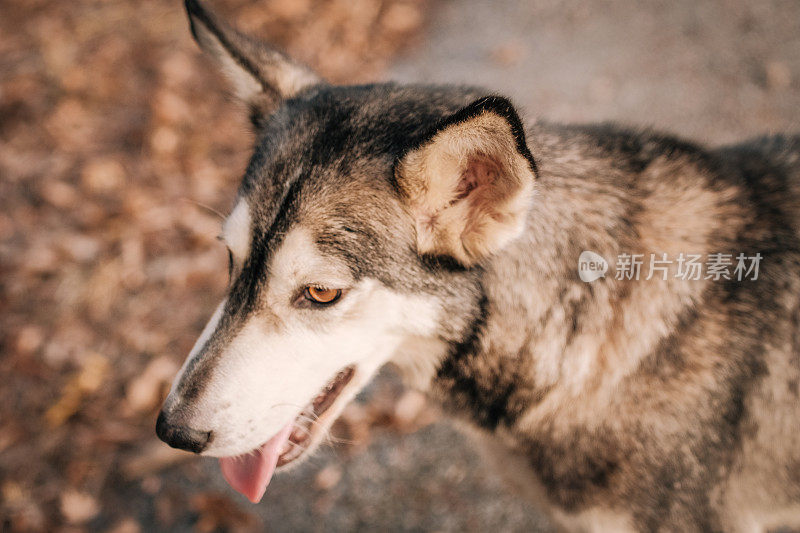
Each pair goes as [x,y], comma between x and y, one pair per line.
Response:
[181,437]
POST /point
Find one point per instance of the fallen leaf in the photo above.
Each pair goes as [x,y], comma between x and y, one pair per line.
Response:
[144,392]
[152,458]
[78,507]
[86,381]
[328,477]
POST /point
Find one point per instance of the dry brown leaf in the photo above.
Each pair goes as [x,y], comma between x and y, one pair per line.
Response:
[78,507]
[151,458]
[328,477]
[144,392]
[218,512]
[126,525]
[86,381]
[103,175]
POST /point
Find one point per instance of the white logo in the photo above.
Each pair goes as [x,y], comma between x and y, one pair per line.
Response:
[591,266]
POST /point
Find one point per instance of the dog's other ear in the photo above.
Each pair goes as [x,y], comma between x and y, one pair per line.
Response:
[261,76]
[468,183]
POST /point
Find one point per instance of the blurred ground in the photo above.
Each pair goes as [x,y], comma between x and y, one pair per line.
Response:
[114,136]
[714,70]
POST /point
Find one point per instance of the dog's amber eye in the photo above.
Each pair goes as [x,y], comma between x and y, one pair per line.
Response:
[322,296]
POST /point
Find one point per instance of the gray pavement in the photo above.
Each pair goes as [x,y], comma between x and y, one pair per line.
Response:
[714,71]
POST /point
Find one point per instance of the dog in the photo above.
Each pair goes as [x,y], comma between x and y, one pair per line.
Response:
[426,226]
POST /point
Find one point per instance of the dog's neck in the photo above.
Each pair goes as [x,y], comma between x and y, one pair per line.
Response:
[541,337]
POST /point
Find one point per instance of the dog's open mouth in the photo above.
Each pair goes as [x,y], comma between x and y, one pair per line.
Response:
[304,426]
[250,473]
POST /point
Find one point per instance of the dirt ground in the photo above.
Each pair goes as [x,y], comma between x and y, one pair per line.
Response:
[117,149]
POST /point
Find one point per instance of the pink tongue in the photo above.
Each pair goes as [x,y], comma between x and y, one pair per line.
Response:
[250,474]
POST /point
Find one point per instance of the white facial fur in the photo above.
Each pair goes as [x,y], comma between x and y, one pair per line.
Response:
[236,234]
[236,230]
[284,355]
[208,330]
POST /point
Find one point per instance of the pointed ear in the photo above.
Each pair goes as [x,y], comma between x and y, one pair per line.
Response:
[261,76]
[468,184]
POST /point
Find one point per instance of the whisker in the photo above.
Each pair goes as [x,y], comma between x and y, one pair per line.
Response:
[295,445]
[285,404]
[306,430]
[313,420]
[339,440]
[204,206]
[309,418]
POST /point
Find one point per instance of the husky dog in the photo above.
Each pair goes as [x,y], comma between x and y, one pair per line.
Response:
[426,226]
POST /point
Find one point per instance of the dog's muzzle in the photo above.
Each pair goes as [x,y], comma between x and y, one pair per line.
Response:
[180,436]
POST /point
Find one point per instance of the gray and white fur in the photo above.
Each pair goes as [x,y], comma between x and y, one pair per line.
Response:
[453,234]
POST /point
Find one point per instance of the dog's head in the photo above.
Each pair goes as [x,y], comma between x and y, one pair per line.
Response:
[357,234]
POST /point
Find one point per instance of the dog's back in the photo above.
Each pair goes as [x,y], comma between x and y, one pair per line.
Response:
[765,473]
[662,403]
